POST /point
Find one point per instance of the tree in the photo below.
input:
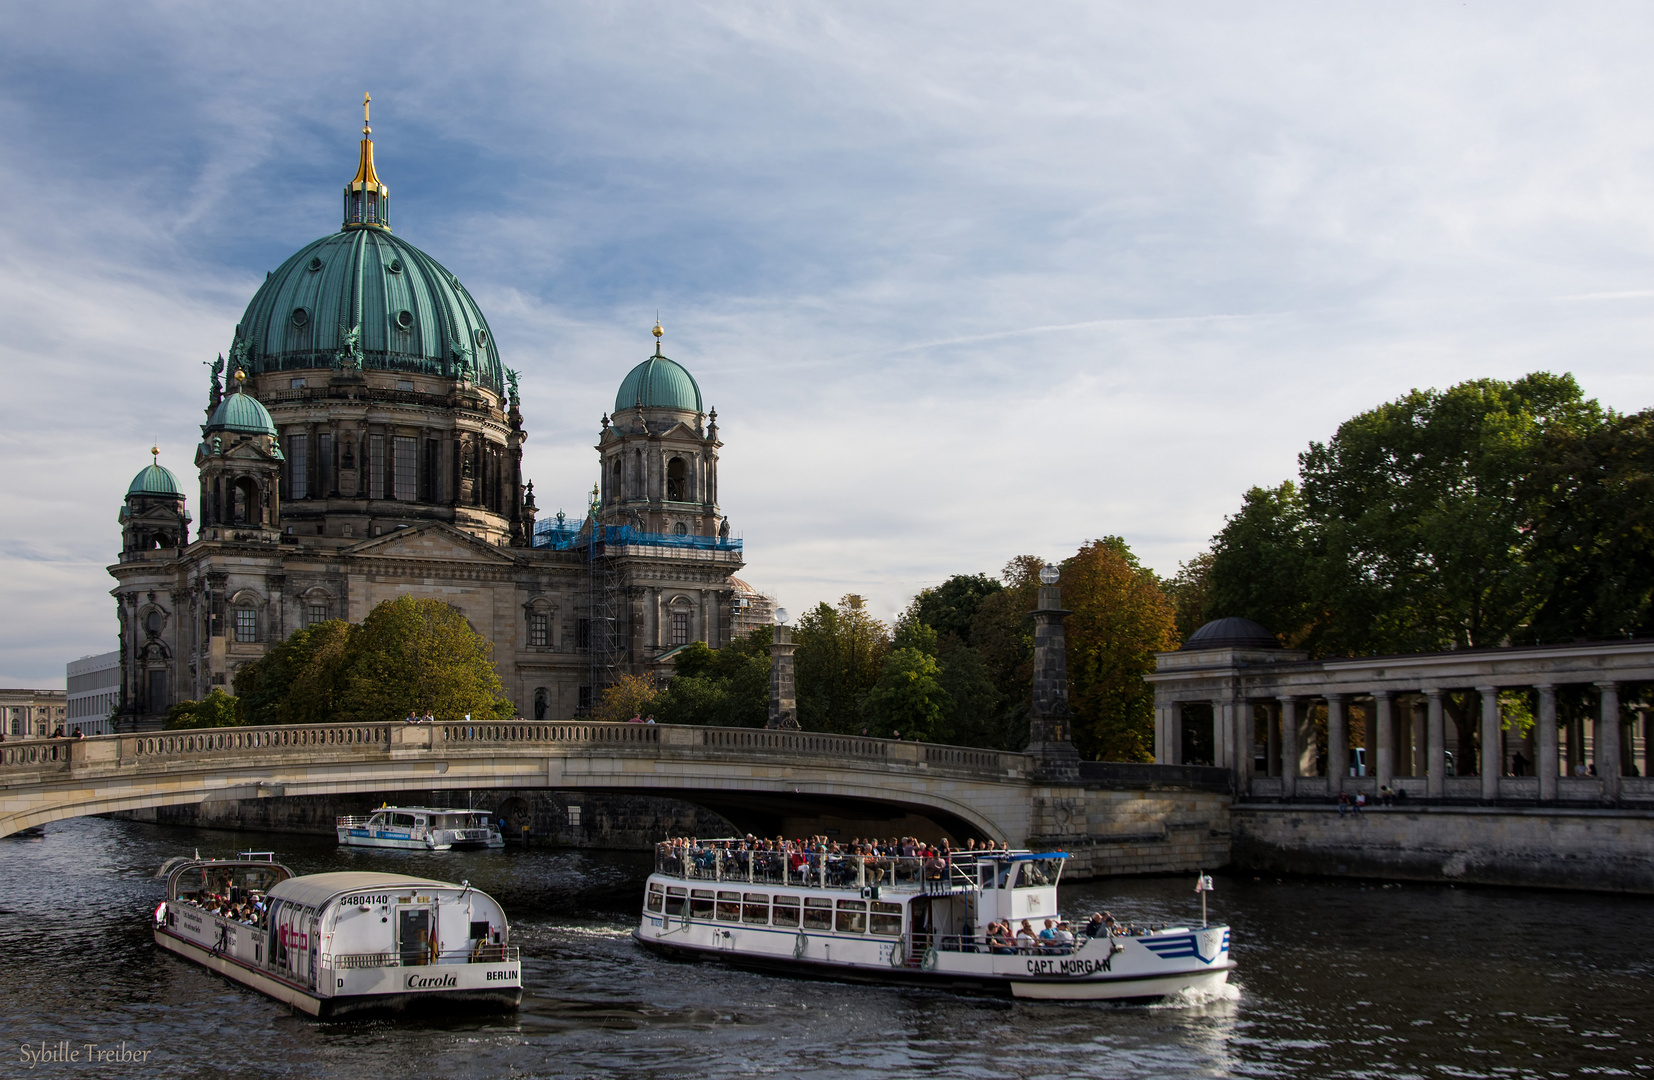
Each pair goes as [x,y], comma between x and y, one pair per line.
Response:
[408,655]
[1592,535]
[1262,563]
[951,607]
[1003,636]
[729,687]
[1120,619]
[839,658]
[908,698]
[627,697]
[217,709]
[1190,591]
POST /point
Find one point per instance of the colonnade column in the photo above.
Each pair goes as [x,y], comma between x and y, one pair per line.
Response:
[1381,737]
[1492,756]
[1435,769]
[1545,762]
[1273,739]
[1421,763]
[1338,745]
[1607,742]
[1647,717]
[1289,746]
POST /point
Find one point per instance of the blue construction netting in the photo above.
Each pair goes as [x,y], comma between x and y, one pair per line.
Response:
[570,536]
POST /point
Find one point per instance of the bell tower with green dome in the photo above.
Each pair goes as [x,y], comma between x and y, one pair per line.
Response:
[153,516]
[660,453]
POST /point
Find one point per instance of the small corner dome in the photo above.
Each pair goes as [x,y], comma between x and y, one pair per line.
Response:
[659,383]
[242,413]
[156,480]
[1231,633]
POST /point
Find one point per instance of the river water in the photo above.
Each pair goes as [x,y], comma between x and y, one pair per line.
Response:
[1336,979]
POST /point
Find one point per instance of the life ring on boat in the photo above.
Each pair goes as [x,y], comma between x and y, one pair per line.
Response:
[801,945]
[898,954]
[929,962]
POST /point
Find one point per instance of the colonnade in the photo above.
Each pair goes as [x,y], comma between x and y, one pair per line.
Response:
[1406,735]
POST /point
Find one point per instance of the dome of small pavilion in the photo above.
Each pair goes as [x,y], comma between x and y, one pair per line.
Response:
[156,479]
[1231,633]
[659,383]
[241,413]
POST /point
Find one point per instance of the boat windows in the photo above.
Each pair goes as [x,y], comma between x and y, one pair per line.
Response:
[852,916]
[755,909]
[785,912]
[404,821]
[886,919]
[657,899]
[700,904]
[1039,872]
[818,913]
[729,906]
[677,902]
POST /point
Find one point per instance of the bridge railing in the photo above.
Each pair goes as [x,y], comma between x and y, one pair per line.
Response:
[44,758]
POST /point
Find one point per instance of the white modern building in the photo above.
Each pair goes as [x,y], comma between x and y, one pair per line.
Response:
[94,690]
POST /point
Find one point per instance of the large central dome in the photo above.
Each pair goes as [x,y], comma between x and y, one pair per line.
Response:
[409,312]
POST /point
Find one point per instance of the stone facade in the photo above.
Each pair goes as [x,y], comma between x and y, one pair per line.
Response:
[32,714]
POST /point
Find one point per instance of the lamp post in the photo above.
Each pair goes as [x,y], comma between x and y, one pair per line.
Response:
[783,696]
[1050,734]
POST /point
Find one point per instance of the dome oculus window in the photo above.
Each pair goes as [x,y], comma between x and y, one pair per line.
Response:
[315,263]
[395,267]
[482,337]
[404,320]
[300,318]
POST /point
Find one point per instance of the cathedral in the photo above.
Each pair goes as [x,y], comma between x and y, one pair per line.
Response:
[363,441]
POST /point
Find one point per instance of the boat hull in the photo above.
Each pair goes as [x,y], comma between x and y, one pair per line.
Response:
[306,1001]
[1125,987]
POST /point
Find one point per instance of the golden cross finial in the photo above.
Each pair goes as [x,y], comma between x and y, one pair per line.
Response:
[240,377]
[156,451]
[365,99]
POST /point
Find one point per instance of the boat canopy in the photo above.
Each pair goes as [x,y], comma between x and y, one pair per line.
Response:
[315,890]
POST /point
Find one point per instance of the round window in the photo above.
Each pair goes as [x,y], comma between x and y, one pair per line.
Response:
[682,529]
[404,320]
[395,267]
[300,317]
[482,337]
[315,264]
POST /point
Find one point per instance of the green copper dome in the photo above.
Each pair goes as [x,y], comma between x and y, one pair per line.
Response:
[243,413]
[658,383]
[155,480]
[367,296]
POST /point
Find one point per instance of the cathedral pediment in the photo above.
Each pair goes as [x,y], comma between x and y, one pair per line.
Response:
[435,542]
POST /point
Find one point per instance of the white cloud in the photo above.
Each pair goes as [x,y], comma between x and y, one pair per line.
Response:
[963,281]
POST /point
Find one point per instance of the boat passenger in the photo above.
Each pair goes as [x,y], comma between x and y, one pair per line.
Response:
[1048,936]
[1027,943]
[1065,938]
[1094,927]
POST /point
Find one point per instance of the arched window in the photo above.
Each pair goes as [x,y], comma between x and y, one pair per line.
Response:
[246,501]
[637,491]
[615,491]
[676,487]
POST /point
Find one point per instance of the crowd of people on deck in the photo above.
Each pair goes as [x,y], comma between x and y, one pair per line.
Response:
[245,908]
[903,858]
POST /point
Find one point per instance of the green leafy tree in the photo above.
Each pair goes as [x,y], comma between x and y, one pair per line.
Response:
[908,698]
[627,697]
[1002,634]
[1262,566]
[1190,591]
[217,709]
[950,608]
[728,687]
[1120,619]
[839,658]
[299,681]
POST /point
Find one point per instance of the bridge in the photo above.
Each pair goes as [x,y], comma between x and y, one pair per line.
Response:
[1114,817]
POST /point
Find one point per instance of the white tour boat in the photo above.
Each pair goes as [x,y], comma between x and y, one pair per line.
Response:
[422,828]
[330,944]
[911,920]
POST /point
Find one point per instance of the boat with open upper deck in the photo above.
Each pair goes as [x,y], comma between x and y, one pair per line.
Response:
[912,919]
[337,943]
[420,828]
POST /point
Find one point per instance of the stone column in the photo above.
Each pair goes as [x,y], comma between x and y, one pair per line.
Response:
[1545,763]
[1421,763]
[1608,739]
[1288,707]
[1338,745]
[1492,754]
[1176,757]
[1381,737]
[1435,769]
[1050,734]
[1275,718]
[1220,724]
[1647,717]
[1165,752]
[783,697]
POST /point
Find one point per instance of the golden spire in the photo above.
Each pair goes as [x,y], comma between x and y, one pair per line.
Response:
[156,451]
[240,377]
[367,199]
[365,176]
[658,332]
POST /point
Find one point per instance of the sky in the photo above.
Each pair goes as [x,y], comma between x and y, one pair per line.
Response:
[964,281]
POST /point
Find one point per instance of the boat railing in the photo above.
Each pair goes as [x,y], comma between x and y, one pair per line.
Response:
[350,821]
[479,954]
[967,943]
[815,869]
